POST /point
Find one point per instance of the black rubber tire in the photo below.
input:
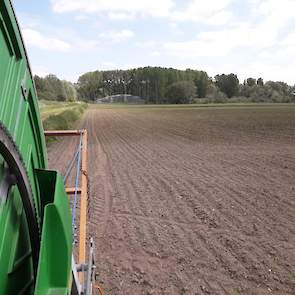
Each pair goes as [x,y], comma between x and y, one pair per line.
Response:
[12,157]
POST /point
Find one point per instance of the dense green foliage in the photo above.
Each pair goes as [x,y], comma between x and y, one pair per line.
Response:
[268,92]
[156,85]
[229,84]
[181,92]
[52,88]
[149,83]
[163,85]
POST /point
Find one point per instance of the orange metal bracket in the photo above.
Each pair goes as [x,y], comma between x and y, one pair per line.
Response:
[72,190]
[83,203]
[99,289]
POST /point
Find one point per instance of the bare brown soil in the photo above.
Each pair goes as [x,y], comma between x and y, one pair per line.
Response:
[191,201]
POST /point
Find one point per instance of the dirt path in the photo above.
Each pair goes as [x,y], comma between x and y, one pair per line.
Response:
[191,201]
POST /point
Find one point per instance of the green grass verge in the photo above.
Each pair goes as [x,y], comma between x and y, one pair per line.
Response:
[52,108]
[63,117]
[60,115]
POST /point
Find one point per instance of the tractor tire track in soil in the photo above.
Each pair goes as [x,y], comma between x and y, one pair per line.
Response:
[190,201]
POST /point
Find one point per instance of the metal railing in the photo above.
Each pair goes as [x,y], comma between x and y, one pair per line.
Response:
[83,271]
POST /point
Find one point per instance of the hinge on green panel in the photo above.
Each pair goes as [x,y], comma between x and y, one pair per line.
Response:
[24,90]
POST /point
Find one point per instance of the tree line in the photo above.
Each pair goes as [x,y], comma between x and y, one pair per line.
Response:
[52,88]
[164,85]
[153,84]
[228,88]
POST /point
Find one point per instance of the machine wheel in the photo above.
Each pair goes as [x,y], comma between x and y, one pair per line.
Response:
[17,175]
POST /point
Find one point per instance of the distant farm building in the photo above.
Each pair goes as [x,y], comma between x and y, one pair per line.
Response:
[121,98]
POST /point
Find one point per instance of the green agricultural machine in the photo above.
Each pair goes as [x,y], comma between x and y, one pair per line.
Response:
[36,240]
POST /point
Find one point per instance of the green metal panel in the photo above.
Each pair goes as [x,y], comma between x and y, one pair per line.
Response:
[55,256]
[20,119]
[18,103]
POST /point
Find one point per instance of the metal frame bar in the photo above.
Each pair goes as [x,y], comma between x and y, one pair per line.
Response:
[83,203]
[71,190]
[82,191]
[53,133]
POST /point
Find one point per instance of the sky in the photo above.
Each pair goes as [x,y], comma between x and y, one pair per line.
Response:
[251,38]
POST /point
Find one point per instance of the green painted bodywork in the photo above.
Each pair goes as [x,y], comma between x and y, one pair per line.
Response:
[56,250]
[19,113]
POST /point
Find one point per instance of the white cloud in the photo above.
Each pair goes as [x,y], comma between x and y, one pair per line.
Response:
[207,34]
[222,42]
[81,17]
[284,50]
[276,10]
[29,21]
[289,39]
[120,16]
[36,39]
[156,53]
[81,44]
[117,36]
[213,12]
[271,51]
[270,71]
[40,71]
[142,7]
[108,65]
[146,44]
[261,32]
[198,48]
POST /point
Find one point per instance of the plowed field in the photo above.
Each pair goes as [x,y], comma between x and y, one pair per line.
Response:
[191,200]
